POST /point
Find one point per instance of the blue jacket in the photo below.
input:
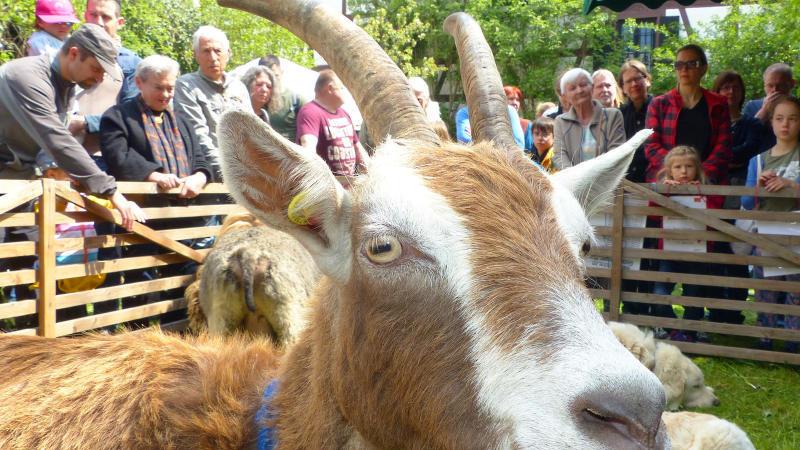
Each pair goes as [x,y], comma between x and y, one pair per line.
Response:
[464,133]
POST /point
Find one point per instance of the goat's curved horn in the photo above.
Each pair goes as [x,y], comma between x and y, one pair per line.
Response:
[380,89]
[488,107]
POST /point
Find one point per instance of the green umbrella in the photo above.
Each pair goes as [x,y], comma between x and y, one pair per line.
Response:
[619,5]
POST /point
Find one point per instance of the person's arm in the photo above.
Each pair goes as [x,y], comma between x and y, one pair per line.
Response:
[516,127]
[748,202]
[309,142]
[362,157]
[35,110]
[616,130]
[116,145]
[463,129]
[308,128]
[654,149]
[715,166]
[186,105]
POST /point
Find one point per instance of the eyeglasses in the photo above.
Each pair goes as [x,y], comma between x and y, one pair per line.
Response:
[694,64]
[634,80]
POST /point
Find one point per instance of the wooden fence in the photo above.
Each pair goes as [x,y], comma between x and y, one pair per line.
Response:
[39,315]
[17,315]
[728,339]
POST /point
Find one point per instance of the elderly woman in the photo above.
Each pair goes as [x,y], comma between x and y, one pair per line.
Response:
[142,140]
[423,94]
[588,129]
[262,83]
[605,89]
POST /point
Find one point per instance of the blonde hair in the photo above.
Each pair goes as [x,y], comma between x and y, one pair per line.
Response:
[679,152]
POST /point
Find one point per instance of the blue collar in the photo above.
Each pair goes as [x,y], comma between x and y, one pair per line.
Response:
[266,435]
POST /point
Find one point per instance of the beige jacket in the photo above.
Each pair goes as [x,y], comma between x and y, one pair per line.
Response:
[607,127]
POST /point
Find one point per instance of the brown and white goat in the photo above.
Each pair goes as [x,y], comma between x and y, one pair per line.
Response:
[452,314]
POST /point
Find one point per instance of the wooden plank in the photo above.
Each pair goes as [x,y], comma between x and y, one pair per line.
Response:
[716,303]
[178,326]
[22,195]
[19,219]
[600,293]
[17,277]
[47,260]
[707,189]
[115,317]
[706,280]
[121,291]
[719,258]
[24,332]
[193,211]
[718,213]
[9,186]
[616,251]
[126,239]
[147,187]
[737,352]
[119,265]
[138,228]
[687,234]
[713,327]
[18,308]
[14,249]
[698,215]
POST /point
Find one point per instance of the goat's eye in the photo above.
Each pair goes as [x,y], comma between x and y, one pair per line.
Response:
[586,248]
[383,249]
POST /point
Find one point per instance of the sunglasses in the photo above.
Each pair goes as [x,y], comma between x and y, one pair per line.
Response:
[694,64]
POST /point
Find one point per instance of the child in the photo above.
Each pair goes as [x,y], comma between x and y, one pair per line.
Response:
[682,165]
[774,170]
[543,141]
[54,20]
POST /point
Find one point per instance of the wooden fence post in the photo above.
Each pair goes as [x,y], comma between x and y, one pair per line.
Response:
[618,216]
[46,275]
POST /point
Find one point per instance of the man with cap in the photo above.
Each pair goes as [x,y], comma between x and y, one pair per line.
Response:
[35,93]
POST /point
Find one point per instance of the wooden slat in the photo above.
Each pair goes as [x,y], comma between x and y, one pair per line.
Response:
[18,308]
[713,327]
[133,187]
[115,317]
[24,194]
[715,303]
[706,280]
[175,327]
[19,219]
[25,332]
[138,228]
[192,211]
[718,213]
[126,239]
[24,276]
[738,353]
[14,249]
[46,306]
[736,191]
[718,258]
[616,252]
[121,291]
[119,265]
[698,215]
[9,186]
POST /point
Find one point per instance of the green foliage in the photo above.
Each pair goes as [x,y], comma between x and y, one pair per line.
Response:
[400,36]
[166,27]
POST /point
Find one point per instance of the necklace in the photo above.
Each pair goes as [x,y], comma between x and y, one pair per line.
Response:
[158,119]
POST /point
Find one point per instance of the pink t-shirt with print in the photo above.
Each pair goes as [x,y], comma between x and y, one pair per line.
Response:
[336,136]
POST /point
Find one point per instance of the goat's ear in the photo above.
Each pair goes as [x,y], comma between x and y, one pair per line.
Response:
[285,186]
[593,182]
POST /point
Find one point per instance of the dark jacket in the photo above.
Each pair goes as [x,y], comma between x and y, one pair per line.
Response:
[634,121]
[126,150]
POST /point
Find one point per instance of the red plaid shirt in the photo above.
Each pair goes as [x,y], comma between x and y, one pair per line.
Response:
[662,118]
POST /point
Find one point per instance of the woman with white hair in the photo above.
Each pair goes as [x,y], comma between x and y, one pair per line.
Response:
[588,129]
[265,91]
[423,94]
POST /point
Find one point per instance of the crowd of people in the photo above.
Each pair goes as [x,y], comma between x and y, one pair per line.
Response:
[81,106]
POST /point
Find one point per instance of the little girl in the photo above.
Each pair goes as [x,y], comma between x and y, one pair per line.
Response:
[54,20]
[682,165]
[774,170]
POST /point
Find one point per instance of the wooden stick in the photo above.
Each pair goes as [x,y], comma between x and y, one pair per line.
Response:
[25,194]
[46,275]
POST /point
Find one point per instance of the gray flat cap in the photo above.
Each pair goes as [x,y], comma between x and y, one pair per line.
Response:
[94,39]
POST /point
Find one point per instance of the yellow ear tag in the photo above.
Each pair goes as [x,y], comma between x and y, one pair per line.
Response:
[298,215]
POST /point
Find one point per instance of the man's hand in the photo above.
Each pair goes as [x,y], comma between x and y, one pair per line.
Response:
[766,107]
[164,180]
[775,184]
[192,185]
[77,125]
[129,211]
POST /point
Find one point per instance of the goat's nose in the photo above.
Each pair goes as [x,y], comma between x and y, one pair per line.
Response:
[716,401]
[623,417]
